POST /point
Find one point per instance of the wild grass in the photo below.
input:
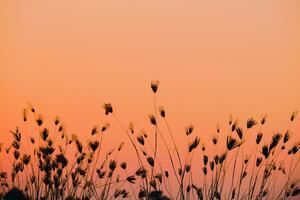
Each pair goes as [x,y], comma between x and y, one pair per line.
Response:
[43,166]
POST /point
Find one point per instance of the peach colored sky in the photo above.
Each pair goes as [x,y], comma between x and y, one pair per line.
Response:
[212,59]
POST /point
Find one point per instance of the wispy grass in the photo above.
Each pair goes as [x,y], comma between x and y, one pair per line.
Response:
[53,164]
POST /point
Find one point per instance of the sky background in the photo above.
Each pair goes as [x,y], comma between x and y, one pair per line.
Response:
[212,58]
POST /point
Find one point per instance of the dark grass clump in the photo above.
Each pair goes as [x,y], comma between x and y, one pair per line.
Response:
[15,194]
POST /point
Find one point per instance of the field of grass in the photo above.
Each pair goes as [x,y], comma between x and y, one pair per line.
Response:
[41,167]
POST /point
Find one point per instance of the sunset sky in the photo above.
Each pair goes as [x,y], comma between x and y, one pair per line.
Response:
[212,58]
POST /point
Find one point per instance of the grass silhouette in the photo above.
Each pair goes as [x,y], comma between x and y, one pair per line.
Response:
[41,168]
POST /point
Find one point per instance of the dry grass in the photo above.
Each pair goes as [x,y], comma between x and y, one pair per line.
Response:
[42,167]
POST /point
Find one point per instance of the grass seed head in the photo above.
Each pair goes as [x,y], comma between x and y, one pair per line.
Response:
[222,157]
[295,192]
[25,114]
[231,143]
[112,165]
[194,144]
[17,134]
[275,140]
[162,111]
[94,145]
[287,136]
[180,171]
[94,130]
[150,161]
[204,170]
[189,129]
[39,120]
[62,160]
[141,172]
[187,168]
[56,120]
[212,165]
[131,127]
[31,108]
[239,132]
[218,128]
[264,119]
[234,125]
[251,123]
[216,159]
[294,115]
[44,134]
[16,154]
[203,147]
[123,165]
[159,177]
[121,146]
[233,193]
[205,159]
[166,174]
[154,85]
[26,159]
[230,119]
[140,139]
[265,151]
[107,108]
[215,139]
[105,127]
[152,120]
[16,145]
[153,184]
[259,137]
[131,179]
[188,188]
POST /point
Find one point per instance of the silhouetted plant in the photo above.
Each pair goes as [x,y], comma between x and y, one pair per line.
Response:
[57,165]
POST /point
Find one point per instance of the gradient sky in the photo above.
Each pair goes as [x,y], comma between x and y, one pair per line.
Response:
[212,58]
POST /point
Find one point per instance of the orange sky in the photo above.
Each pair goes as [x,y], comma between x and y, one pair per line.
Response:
[212,59]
